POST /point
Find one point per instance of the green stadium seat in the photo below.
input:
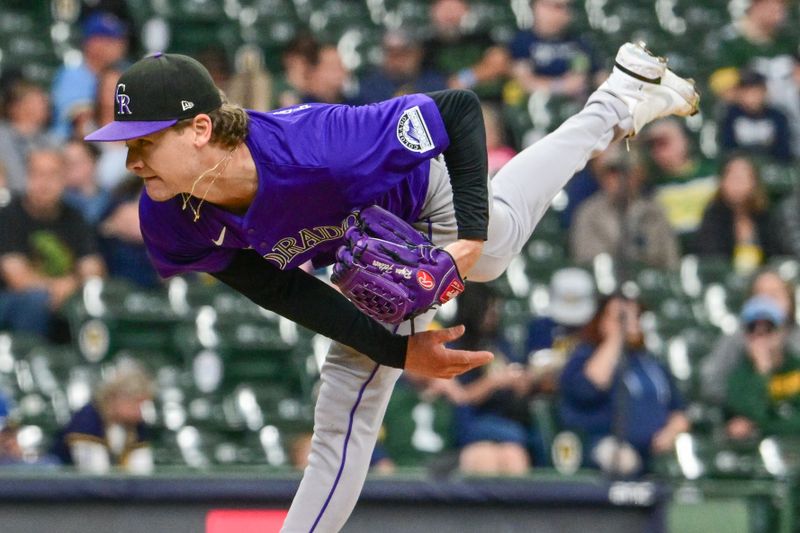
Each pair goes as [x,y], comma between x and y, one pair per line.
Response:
[543,258]
[656,285]
[195,36]
[779,180]
[415,430]
[109,316]
[210,11]
[545,420]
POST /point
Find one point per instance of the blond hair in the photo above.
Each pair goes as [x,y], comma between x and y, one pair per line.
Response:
[127,379]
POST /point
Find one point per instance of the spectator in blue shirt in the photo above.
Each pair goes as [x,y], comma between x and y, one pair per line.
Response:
[401,71]
[618,396]
[752,126]
[549,57]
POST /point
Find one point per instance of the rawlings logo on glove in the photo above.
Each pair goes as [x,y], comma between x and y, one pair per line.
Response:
[390,271]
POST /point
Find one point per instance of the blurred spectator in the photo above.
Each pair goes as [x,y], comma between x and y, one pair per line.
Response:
[736,222]
[80,171]
[499,152]
[620,211]
[613,388]
[111,169]
[493,423]
[11,453]
[728,351]
[46,248]
[5,192]
[381,462]
[298,58]
[5,409]
[299,449]
[469,55]
[752,126]
[328,78]
[251,83]
[111,430]
[683,181]
[550,57]
[763,393]
[119,8]
[23,128]
[762,39]
[215,59]
[121,243]
[401,71]
[104,44]
[552,338]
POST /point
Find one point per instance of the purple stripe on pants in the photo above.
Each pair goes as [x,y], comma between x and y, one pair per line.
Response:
[344,450]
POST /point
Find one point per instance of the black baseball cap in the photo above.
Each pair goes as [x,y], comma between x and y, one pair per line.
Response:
[155,93]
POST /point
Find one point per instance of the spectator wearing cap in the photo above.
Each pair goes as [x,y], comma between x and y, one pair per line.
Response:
[104,44]
[618,396]
[401,71]
[728,351]
[763,393]
[619,219]
[752,126]
[764,39]
[552,338]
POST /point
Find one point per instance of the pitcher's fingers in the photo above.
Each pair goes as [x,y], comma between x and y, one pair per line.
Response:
[467,360]
[450,334]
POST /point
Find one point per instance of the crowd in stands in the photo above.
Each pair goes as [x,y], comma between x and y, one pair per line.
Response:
[68,214]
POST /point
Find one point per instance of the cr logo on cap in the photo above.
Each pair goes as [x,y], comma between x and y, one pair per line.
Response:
[123,100]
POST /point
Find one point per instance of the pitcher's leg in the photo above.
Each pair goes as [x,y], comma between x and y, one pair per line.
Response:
[352,401]
[525,186]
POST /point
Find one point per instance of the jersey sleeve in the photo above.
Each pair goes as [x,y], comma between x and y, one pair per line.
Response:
[172,246]
[376,145]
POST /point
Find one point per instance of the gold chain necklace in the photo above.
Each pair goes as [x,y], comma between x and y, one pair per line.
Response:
[188,196]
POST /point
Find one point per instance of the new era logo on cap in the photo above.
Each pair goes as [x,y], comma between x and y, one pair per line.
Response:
[186,105]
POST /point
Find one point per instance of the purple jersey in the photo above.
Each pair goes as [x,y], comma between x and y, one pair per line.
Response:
[316,164]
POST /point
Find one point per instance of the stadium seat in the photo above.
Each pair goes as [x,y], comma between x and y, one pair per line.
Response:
[416,430]
[656,285]
[779,180]
[543,258]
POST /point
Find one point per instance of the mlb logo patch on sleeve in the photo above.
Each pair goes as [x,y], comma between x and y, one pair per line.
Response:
[412,131]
